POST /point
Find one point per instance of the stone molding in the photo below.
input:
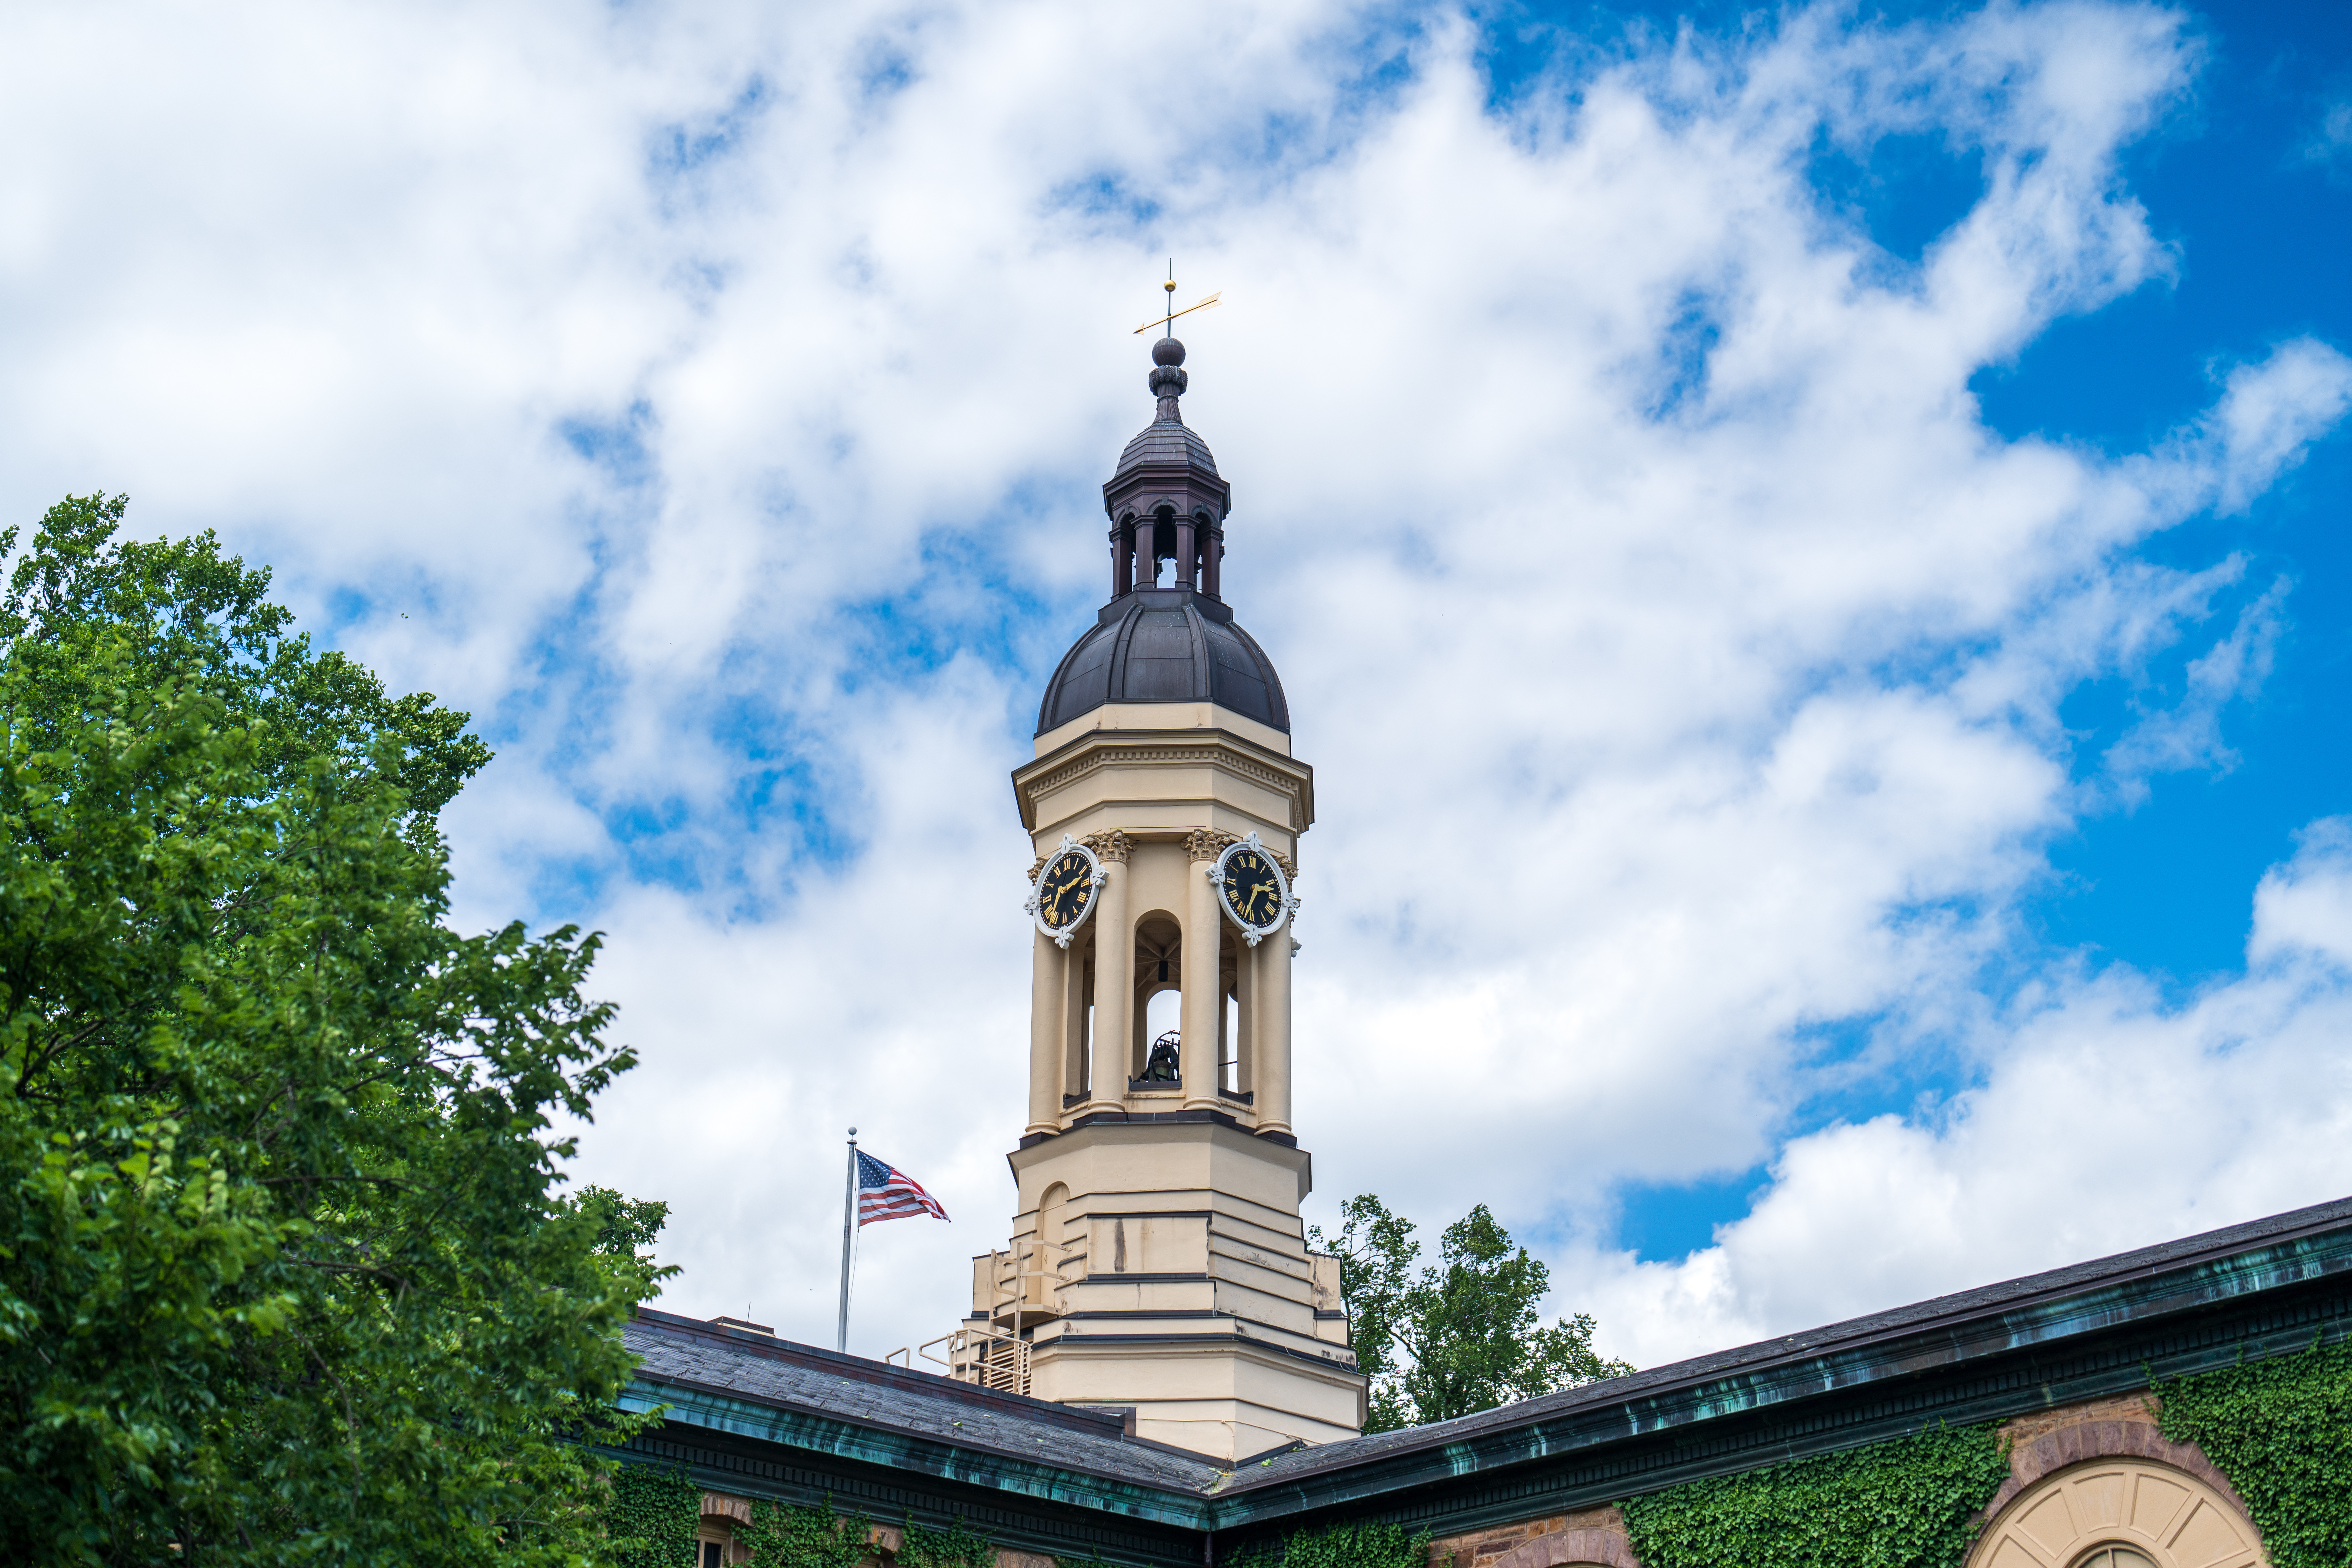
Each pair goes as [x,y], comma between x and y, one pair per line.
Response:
[1607,1548]
[2086,1442]
[1208,843]
[1111,847]
[719,1505]
[1035,866]
[1214,753]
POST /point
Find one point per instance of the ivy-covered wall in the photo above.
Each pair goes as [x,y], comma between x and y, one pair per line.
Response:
[2282,1431]
[650,1516]
[783,1536]
[1344,1546]
[653,1509]
[1905,1504]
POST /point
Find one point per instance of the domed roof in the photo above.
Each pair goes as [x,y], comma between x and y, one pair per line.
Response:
[1166,440]
[1165,645]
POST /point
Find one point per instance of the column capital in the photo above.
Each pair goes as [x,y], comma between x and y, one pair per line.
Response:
[1208,843]
[1112,848]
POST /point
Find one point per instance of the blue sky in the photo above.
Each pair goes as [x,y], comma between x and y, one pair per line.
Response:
[1841,512]
[2260,221]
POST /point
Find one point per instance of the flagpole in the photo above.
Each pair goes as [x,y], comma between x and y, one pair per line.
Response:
[848,1224]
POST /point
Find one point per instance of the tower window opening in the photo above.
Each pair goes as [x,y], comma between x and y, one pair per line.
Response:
[1163,1015]
[1229,1044]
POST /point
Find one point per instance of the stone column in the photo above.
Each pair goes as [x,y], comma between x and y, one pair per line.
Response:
[1047,969]
[1202,999]
[1185,554]
[1114,976]
[1122,560]
[1212,548]
[1273,1033]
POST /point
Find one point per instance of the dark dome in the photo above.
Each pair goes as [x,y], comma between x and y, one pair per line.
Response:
[1170,441]
[1165,645]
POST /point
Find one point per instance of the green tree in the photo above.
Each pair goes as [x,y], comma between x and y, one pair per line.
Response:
[625,1227]
[1461,1336]
[285,1271]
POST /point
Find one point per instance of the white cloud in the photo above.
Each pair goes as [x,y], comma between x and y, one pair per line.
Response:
[2108,1120]
[2302,910]
[719,393]
[2329,145]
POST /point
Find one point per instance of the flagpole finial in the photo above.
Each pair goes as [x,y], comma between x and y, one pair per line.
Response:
[852,1132]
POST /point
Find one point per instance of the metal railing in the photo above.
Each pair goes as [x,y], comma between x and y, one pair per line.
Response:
[993,1354]
[989,1356]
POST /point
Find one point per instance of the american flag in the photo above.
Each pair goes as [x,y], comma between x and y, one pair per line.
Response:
[886,1193]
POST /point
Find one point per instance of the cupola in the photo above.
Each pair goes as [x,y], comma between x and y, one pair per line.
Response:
[1171,641]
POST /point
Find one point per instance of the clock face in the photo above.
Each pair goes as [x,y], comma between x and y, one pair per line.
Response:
[1065,890]
[1252,888]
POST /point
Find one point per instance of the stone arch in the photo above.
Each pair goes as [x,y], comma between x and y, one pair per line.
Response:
[2165,1511]
[715,1540]
[1053,1214]
[1594,1548]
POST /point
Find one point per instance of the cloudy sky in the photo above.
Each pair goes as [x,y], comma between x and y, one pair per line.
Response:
[1807,548]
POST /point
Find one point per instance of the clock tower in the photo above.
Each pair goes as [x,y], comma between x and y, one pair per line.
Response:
[1157,1260]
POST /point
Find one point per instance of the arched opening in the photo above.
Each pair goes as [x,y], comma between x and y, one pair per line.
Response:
[1159,986]
[2124,1512]
[1122,555]
[1045,1269]
[1155,541]
[1052,1211]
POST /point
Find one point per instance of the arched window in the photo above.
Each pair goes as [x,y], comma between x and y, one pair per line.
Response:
[2119,1513]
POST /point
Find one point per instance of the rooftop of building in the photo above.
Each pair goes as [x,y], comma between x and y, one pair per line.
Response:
[1979,1354]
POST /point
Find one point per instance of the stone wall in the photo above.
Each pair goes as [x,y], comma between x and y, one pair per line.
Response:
[1594,1535]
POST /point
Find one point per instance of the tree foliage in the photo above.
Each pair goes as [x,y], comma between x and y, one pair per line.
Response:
[285,1271]
[1461,1336]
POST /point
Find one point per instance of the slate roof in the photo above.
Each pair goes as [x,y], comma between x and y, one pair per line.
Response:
[685,1353]
[1166,441]
[823,1400]
[1965,1317]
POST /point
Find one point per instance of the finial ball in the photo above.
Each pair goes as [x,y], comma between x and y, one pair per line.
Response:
[1169,285]
[1168,351]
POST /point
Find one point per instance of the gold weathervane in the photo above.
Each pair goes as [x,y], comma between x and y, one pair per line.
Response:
[1170,286]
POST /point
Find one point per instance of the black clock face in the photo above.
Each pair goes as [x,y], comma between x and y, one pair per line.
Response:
[1253,890]
[1065,888]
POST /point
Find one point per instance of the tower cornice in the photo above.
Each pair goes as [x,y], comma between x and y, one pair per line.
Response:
[1269,787]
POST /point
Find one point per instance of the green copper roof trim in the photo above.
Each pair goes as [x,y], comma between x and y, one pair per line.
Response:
[922,1456]
[2130,1313]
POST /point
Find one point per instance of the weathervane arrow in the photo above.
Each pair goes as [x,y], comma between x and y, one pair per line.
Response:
[1171,316]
